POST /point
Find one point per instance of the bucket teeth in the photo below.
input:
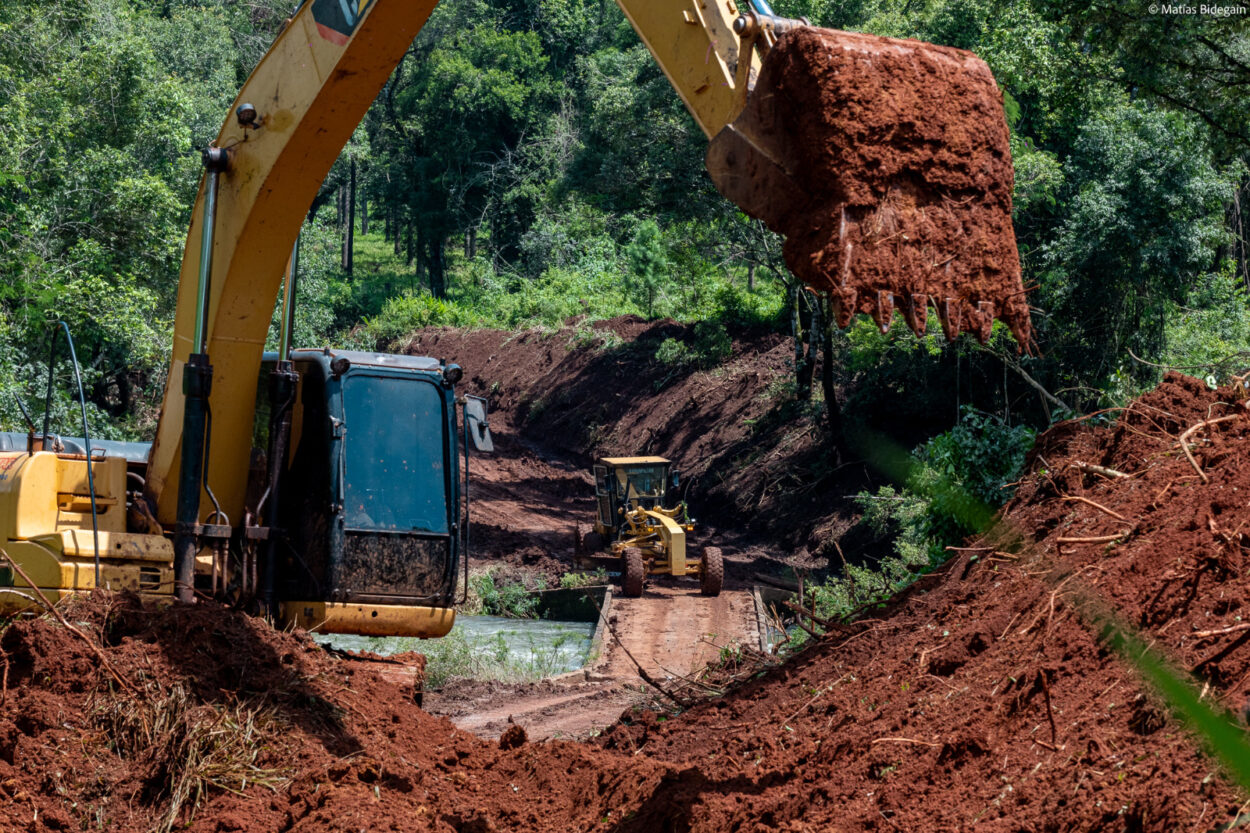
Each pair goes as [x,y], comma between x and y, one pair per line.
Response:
[884,312]
[950,313]
[918,313]
[985,324]
[844,299]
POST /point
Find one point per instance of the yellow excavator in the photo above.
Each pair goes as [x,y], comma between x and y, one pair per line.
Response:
[328,488]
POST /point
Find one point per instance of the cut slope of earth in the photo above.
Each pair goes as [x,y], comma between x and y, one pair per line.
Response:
[752,468]
[934,714]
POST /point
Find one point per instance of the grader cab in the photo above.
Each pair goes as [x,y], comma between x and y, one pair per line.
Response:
[642,527]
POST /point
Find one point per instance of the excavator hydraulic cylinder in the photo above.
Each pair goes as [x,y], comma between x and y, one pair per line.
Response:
[283,382]
[197,383]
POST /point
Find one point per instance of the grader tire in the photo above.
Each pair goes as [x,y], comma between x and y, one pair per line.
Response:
[713,571]
[592,542]
[585,540]
[632,573]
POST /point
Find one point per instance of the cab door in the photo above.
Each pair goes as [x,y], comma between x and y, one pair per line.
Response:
[605,495]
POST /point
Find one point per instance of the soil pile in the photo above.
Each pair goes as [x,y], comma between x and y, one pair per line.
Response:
[982,703]
[937,714]
[885,164]
[263,731]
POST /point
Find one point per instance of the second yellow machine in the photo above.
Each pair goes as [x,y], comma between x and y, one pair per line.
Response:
[644,527]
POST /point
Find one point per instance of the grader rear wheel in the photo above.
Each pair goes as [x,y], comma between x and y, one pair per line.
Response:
[632,572]
[587,541]
[712,569]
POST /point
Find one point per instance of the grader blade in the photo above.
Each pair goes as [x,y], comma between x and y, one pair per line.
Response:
[885,164]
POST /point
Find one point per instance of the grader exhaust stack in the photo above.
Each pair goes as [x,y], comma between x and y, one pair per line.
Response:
[885,165]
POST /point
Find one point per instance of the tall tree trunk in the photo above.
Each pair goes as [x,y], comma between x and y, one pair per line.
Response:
[364,213]
[436,261]
[800,327]
[410,246]
[833,412]
[750,277]
[349,214]
[472,242]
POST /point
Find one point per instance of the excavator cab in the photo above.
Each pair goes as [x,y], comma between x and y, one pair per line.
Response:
[359,524]
[623,483]
[371,527]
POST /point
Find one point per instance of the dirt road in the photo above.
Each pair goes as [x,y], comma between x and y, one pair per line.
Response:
[671,630]
[526,503]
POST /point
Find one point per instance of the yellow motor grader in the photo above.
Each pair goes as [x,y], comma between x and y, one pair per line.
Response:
[643,527]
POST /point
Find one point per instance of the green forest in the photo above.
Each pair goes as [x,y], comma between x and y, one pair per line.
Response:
[528,162]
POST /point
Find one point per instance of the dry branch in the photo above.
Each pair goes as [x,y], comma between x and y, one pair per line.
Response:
[904,740]
[1103,470]
[1050,714]
[1190,430]
[827,624]
[1221,631]
[1093,539]
[1097,506]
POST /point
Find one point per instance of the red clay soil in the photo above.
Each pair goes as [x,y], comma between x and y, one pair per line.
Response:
[898,177]
[934,714]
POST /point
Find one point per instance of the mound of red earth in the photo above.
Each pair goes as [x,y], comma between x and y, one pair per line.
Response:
[885,164]
[976,700]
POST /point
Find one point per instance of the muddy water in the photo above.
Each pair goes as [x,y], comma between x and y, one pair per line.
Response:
[555,647]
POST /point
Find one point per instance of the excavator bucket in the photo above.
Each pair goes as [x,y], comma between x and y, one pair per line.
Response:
[885,165]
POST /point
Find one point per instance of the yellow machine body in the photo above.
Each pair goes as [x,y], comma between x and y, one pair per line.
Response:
[309,92]
[303,101]
[662,539]
[46,527]
[369,620]
[631,493]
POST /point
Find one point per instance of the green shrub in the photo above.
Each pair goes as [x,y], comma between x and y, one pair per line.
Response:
[513,599]
[955,481]
[674,352]
[573,581]
[981,454]
[711,346]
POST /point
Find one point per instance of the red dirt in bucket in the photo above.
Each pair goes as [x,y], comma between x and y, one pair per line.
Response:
[898,178]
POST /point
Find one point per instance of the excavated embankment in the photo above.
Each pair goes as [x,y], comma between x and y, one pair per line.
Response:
[933,714]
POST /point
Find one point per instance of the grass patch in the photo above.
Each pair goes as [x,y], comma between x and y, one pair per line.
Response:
[503,598]
[574,581]
[189,748]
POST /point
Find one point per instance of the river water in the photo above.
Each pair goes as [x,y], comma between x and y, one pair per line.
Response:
[541,647]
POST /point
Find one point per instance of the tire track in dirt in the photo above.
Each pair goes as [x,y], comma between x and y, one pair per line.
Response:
[672,630]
